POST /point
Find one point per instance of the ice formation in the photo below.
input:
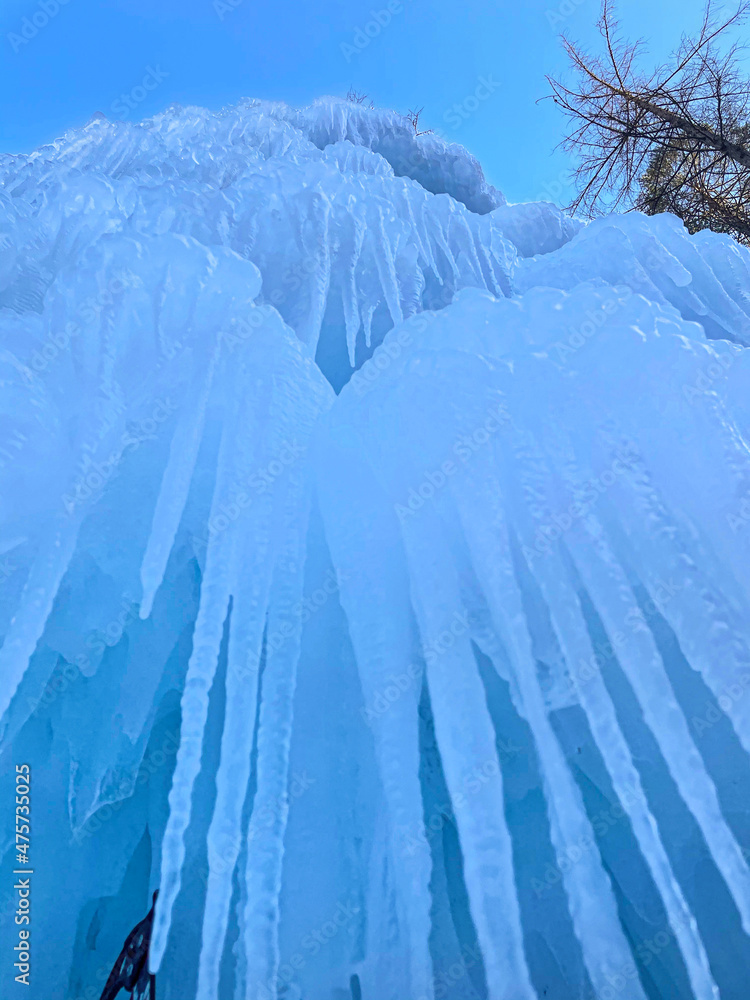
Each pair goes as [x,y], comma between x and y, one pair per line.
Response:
[374,571]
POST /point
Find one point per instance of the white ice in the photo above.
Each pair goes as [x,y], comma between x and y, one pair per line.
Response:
[374,572]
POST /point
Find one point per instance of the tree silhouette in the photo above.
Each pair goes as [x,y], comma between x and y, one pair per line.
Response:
[674,140]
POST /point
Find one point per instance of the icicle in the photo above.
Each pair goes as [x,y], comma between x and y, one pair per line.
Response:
[442,242]
[221,564]
[483,249]
[404,199]
[470,249]
[27,626]
[645,671]
[591,900]
[713,635]
[368,312]
[570,627]
[374,592]
[386,267]
[224,835]
[240,961]
[467,744]
[349,287]
[317,247]
[423,227]
[265,837]
[183,453]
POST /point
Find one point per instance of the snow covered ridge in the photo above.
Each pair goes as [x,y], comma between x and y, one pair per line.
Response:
[373,571]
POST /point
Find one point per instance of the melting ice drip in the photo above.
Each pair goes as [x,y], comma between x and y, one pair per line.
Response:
[375,573]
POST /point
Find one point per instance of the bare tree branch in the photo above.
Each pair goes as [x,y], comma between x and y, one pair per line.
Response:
[677,139]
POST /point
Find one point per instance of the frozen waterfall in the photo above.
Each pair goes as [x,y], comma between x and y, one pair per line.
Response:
[374,571]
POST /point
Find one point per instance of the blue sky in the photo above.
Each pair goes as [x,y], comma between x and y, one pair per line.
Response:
[431,53]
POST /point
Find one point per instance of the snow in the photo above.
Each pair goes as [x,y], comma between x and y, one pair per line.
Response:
[373,570]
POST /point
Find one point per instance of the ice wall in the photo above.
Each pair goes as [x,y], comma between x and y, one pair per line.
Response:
[374,570]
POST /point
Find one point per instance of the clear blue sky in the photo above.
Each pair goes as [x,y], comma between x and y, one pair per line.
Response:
[209,52]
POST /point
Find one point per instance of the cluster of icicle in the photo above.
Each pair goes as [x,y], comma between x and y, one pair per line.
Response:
[246,354]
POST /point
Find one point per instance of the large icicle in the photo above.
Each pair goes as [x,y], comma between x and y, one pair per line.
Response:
[592,903]
[467,743]
[37,599]
[726,657]
[634,648]
[606,581]
[316,245]
[349,286]
[183,453]
[249,608]
[217,585]
[265,836]
[274,517]
[374,588]
[661,710]
[386,265]
[575,643]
